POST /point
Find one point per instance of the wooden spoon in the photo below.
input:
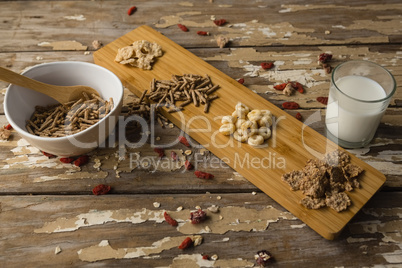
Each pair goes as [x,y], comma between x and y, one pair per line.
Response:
[62,94]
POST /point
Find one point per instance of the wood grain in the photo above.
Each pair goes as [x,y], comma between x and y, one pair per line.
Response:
[294,141]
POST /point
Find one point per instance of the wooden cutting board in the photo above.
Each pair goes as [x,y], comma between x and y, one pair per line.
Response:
[292,144]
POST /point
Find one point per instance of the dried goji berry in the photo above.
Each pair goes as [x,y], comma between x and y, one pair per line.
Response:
[49,155]
[290,105]
[202,33]
[173,155]
[101,189]
[8,127]
[298,87]
[184,141]
[263,257]
[205,257]
[169,219]
[188,165]
[66,160]
[299,116]
[323,100]
[182,27]
[82,160]
[198,216]
[241,80]
[203,175]
[280,86]
[324,57]
[160,152]
[187,242]
[267,65]
[220,22]
[131,10]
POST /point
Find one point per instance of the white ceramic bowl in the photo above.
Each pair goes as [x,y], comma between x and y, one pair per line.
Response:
[19,105]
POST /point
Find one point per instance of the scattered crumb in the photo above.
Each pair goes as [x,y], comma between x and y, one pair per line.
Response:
[188,152]
[158,138]
[39,58]
[214,257]
[222,41]
[4,134]
[220,217]
[87,53]
[171,125]
[96,44]
[197,207]
[327,32]
[207,229]
[156,204]
[219,197]
[179,208]
[213,209]
[57,250]
[254,193]
[197,240]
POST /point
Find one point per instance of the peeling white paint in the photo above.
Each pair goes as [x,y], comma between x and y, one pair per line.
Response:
[75,17]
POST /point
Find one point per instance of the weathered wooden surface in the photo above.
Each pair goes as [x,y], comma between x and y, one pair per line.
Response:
[289,33]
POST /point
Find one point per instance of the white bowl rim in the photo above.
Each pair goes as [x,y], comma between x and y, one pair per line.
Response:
[75,135]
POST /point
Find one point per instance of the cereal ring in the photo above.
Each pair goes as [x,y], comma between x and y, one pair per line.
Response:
[240,113]
[228,119]
[265,132]
[255,140]
[265,121]
[227,129]
[239,122]
[240,136]
[249,127]
[242,106]
[266,112]
[254,115]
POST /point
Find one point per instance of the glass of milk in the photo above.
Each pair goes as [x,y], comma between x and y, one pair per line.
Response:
[359,94]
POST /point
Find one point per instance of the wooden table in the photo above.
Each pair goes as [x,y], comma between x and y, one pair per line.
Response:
[46,205]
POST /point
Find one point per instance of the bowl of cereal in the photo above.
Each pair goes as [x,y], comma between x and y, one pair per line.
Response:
[69,129]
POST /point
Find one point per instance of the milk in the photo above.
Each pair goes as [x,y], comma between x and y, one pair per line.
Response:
[348,118]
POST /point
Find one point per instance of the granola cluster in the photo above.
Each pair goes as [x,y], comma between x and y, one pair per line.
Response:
[324,182]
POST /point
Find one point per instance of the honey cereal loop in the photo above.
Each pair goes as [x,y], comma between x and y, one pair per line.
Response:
[227,129]
[240,136]
[228,119]
[255,140]
[265,132]
[249,127]
[265,121]
[254,115]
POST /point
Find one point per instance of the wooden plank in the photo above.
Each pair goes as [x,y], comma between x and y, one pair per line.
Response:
[287,145]
[29,236]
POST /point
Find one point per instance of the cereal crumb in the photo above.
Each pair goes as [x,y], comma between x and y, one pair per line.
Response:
[158,138]
[4,134]
[87,53]
[139,54]
[57,250]
[222,41]
[207,229]
[214,257]
[219,197]
[179,208]
[156,204]
[96,44]
[220,217]
[197,207]
[188,152]
[254,193]
[171,125]
[213,209]
[197,240]
[327,32]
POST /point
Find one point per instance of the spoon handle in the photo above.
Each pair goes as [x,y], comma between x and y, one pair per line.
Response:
[23,81]
[62,94]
